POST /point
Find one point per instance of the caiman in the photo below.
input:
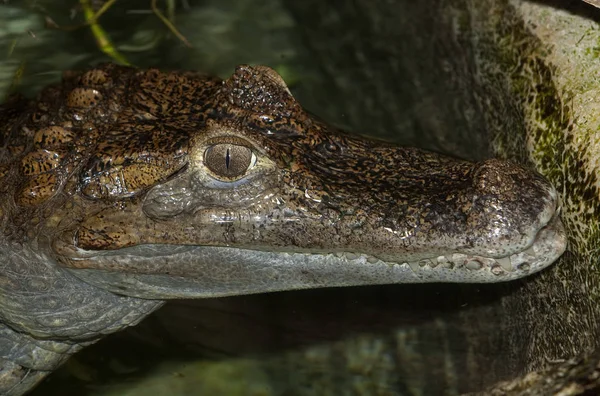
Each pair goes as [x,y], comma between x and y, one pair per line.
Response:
[121,188]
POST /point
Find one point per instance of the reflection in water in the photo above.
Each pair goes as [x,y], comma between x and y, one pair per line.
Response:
[223,34]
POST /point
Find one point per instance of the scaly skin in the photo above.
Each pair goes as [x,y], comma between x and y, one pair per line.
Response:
[150,185]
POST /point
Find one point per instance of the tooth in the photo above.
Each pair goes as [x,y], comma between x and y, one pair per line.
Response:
[372,260]
[351,256]
[473,265]
[445,262]
[505,263]
[414,266]
[531,252]
[339,254]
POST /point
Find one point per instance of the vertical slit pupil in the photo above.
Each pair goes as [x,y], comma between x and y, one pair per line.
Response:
[227,159]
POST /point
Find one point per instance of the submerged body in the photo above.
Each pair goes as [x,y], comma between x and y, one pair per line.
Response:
[123,187]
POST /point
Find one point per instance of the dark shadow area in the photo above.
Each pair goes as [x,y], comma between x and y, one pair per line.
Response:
[266,326]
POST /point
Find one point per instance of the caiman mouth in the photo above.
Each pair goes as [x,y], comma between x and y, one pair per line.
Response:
[187,271]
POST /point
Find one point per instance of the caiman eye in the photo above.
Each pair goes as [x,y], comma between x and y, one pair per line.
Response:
[229,161]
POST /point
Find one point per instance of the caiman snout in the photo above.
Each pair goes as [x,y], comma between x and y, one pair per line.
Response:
[516,217]
[447,219]
[261,196]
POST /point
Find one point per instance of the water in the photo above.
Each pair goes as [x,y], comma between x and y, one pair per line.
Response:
[223,34]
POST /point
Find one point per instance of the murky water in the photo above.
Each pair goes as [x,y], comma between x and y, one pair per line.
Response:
[379,340]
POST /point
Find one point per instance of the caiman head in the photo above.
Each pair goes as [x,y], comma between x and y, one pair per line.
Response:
[168,185]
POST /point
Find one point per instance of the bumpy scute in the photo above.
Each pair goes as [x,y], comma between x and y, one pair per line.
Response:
[53,137]
[83,97]
[37,189]
[83,131]
[94,78]
[40,161]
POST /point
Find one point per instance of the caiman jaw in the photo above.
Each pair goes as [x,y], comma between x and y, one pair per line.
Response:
[176,271]
[549,243]
[139,270]
[153,271]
